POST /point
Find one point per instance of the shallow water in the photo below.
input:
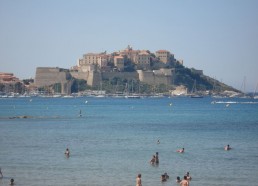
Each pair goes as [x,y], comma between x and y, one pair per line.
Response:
[115,139]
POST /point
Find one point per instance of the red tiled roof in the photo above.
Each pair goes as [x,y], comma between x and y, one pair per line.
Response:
[162,51]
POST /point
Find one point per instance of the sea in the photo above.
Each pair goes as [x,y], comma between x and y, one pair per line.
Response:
[112,140]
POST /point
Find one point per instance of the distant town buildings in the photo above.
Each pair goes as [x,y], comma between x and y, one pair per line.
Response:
[93,67]
[9,84]
[125,67]
[142,59]
[119,62]
[127,64]
[8,78]
[164,56]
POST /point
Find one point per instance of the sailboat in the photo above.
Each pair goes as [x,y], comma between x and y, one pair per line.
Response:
[254,95]
[194,93]
[132,95]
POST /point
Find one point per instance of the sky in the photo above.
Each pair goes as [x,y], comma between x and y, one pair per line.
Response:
[219,37]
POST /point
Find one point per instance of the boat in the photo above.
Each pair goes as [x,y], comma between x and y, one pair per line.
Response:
[196,96]
[133,96]
[67,96]
[194,93]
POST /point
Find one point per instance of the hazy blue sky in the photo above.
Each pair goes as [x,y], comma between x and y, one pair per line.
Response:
[218,36]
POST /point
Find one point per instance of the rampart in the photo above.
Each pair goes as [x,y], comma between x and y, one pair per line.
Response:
[122,75]
[46,76]
[155,77]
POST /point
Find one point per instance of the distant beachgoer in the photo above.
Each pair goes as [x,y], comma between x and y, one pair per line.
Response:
[178,180]
[188,176]
[227,147]
[163,178]
[139,180]
[166,175]
[158,142]
[67,152]
[1,173]
[184,182]
[152,161]
[157,158]
[12,181]
[181,150]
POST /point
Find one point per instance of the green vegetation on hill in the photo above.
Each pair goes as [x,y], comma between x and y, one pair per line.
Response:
[187,77]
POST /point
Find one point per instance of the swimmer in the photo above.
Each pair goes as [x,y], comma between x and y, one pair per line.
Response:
[139,180]
[227,147]
[152,161]
[166,175]
[184,182]
[157,158]
[12,181]
[181,150]
[188,176]
[158,142]
[163,178]
[67,152]
[178,180]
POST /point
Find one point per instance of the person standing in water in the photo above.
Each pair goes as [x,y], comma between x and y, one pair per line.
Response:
[184,182]
[153,159]
[178,180]
[188,176]
[139,180]
[157,158]
[227,147]
[67,152]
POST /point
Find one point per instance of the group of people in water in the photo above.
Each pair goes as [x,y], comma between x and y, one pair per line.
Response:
[185,181]
[164,177]
[154,160]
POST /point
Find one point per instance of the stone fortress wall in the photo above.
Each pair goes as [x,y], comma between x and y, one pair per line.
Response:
[46,76]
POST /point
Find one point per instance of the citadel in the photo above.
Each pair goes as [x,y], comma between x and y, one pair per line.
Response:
[124,72]
[133,65]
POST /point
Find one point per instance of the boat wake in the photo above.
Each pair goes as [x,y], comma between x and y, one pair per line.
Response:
[234,102]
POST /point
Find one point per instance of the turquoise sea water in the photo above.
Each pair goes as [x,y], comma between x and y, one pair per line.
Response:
[115,139]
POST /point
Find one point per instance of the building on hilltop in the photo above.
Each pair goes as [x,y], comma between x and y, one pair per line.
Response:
[119,63]
[142,60]
[195,71]
[129,53]
[90,60]
[165,56]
